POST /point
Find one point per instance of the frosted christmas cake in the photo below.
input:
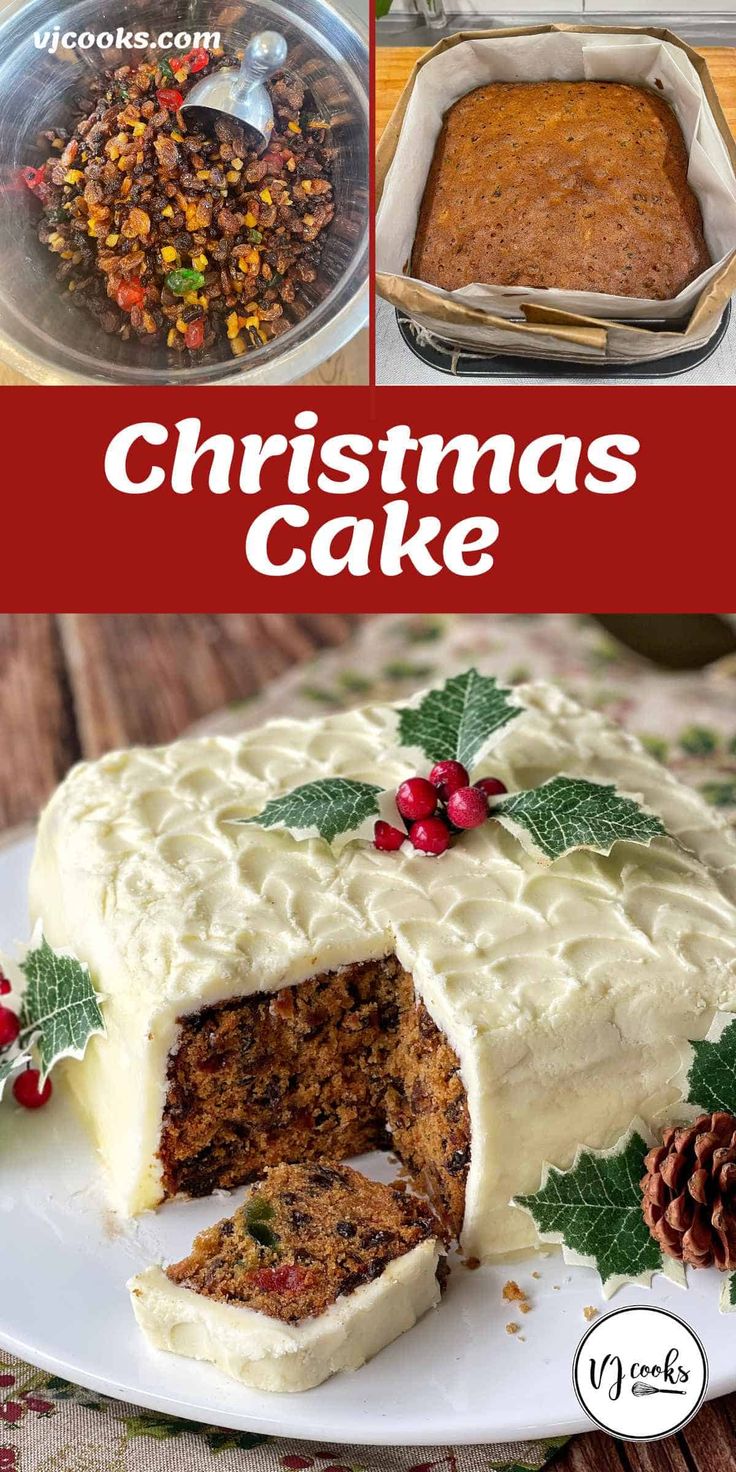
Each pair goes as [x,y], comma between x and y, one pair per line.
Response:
[479,929]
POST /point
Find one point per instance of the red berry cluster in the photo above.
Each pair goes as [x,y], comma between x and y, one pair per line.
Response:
[436,807]
[27,1088]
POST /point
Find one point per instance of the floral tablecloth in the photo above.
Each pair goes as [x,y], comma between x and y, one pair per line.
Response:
[687,721]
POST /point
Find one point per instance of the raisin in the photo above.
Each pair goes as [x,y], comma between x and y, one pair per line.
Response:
[459,1161]
[301,1219]
[324,1176]
[379,1238]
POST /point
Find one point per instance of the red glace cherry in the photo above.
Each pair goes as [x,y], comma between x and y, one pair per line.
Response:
[196,60]
[288,1277]
[447,777]
[130,294]
[35,180]
[170,98]
[5,986]
[386,837]
[194,335]
[468,807]
[9,1027]
[26,1091]
[416,798]
[491,786]
[430,835]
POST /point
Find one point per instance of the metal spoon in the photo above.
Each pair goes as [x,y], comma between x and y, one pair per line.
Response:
[232,102]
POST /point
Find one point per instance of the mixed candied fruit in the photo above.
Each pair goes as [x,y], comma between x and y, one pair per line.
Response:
[166,233]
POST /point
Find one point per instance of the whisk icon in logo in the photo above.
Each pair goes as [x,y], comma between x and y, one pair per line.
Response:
[640,1373]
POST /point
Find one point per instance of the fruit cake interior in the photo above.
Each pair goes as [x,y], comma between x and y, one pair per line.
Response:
[345,1062]
[306,1235]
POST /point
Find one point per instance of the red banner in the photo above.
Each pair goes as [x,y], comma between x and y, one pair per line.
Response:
[398,500]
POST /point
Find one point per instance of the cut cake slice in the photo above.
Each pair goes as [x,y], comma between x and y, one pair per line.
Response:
[317,1271]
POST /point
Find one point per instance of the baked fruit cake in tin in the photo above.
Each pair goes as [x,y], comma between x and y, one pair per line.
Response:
[270,998]
[579,186]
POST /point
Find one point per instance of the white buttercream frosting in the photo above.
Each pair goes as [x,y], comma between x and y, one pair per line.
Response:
[568,991]
[265,1352]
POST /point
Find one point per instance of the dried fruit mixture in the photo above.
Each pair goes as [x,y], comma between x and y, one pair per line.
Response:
[167,234]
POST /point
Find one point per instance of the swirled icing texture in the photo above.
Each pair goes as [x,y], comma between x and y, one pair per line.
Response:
[567,991]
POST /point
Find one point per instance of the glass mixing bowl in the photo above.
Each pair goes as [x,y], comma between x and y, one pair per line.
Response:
[45,337]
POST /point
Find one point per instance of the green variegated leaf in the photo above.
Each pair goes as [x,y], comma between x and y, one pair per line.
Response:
[711,1083]
[595,1211]
[456,721]
[332,807]
[60,1011]
[569,812]
[727,1301]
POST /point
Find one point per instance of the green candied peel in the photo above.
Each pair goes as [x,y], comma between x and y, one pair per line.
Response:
[258,1214]
[184,280]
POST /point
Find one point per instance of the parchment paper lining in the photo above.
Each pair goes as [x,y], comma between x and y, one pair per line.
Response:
[637,59]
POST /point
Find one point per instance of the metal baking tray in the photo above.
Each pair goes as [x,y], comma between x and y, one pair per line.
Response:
[484,365]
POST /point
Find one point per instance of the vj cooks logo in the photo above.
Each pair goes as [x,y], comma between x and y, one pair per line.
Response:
[640,1373]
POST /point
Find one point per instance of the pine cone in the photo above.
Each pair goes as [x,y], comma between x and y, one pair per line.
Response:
[689,1191]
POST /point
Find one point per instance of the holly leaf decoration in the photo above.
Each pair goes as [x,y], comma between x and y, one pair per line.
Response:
[60,1011]
[332,807]
[594,1210]
[727,1300]
[711,1081]
[569,812]
[458,720]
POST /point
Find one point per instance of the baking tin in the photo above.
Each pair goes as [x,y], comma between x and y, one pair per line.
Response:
[457,364]
[596,345]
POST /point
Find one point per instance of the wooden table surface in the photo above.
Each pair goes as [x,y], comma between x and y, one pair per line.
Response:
[394,63]
[75,685]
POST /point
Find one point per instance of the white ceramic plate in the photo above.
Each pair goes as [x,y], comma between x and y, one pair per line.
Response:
[457,1377]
